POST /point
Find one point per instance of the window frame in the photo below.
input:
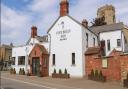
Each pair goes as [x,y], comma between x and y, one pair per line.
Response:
[73,59]
[20,60]
[118,42]
[87,36]
[13,60]
[53,59]
[108,45]
[94,42]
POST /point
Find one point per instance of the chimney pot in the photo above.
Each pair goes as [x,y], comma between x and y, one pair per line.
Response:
[85,23]
[64,7]
[33,31]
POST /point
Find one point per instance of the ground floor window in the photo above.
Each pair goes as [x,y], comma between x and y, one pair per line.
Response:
[13,61]
[21,60]
[73,58]
[118,42]
[53,61]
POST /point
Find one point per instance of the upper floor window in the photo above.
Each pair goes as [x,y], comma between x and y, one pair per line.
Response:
[87,40]
[108,45]
[94,42]
[62,24]
[21,60]
[118,42]
[53,59]
[73,58]
[102,43]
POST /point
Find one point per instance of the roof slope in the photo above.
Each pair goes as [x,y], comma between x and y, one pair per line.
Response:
[40,39]
[73,20]
[92,50]
[41,47]
[106,28]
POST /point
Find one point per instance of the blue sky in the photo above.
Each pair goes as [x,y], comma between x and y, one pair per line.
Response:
[17,16]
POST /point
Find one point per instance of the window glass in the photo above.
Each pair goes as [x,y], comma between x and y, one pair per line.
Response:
[118,42]
[108,44]
[21,60]
[73,58]
[53,61]
[13,61]
[87,40]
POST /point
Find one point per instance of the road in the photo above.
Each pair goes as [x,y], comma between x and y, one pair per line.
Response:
[18,84]
[33,82]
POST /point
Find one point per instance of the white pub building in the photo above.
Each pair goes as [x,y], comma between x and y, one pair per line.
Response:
[65,46]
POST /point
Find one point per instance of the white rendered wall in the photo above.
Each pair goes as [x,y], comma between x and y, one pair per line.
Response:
[113,36]
[21,51]
[90,44]
[63,49]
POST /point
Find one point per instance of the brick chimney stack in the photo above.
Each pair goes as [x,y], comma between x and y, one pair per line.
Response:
[33,31]
[85,23]
[64,7]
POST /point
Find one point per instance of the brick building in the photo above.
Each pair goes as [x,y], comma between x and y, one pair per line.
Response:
[5,55]
[114,66]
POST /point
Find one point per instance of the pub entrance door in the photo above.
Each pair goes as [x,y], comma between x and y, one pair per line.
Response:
[35,65]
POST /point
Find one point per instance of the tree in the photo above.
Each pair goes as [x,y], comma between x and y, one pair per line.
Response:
[99,21]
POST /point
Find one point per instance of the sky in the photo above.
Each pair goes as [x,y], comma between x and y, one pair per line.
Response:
[18,16]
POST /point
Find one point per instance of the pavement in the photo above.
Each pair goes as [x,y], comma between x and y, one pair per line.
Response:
[32,82]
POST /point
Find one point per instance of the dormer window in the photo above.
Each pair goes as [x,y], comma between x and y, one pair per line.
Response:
[118,42]
[62,24]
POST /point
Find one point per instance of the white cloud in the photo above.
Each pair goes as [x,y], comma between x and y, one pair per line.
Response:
[42,13]
[13,24]
[42,5]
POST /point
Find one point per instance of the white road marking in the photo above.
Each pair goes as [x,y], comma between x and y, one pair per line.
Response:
[45,83]
[30,83]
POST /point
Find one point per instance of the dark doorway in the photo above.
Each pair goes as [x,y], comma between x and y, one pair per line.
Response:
[103,51]
[35,65]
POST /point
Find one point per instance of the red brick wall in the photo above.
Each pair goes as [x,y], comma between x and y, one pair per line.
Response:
[113,71]
[36,52]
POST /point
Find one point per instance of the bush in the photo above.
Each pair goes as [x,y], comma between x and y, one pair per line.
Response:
[20,72]
[60,72]
[96,73]
[55,71]
[14,71]
[65,71]
[92,72]
[127,76]
[100,75]
[97,76]
[11,71]
[23,72]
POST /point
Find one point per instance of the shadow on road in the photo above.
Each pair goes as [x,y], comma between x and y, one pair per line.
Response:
[8,88]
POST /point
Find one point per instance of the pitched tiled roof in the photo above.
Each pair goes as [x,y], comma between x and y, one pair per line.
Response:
[42,38]
[42,49]
[106,28]
[92,50]
[73,20]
